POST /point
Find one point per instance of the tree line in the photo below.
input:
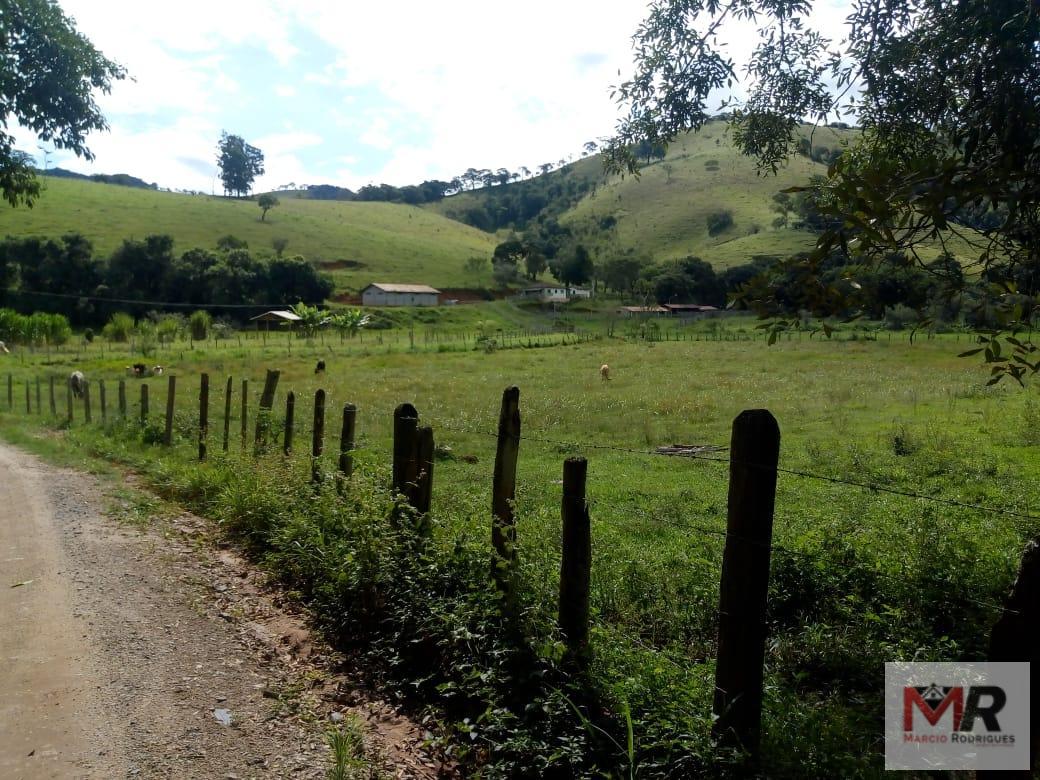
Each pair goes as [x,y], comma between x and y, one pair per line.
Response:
[65,275]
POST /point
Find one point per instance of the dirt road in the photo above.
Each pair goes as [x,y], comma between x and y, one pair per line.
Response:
[125,650]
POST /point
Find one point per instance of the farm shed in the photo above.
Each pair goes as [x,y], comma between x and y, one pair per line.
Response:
[551,293]
[642,311]
[277,316]
[688,309]
[379,294]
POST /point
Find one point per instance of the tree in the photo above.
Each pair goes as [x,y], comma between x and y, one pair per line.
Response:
[947,94]
[279,245]
[266,202]
[48,74]
[574,268]
[239,163]
[349,322]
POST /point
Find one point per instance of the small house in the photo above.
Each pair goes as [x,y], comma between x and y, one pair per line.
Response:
[382,294]
[642,311]
[551,293]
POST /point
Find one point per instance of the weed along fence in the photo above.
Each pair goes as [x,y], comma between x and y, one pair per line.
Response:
[742,610]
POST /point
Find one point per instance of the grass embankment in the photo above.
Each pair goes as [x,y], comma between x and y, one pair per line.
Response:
[357,243]
[858,577]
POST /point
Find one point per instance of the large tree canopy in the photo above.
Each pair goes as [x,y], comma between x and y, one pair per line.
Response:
[239,164]
[48,74]
[947,96]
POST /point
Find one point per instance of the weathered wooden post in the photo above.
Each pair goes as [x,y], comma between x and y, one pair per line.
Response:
[144,404]
[171,393]
[53,400]
[346,441]
[290,413]
[86,402]
[28,402]
[405,467]
[122,399]
[1016,637]
[203,414]
[245,412]
[575,562]
[317,435]
[10,393]
[104,402]
[227,412]
[503,489]
[422,493]
[754,455]
[39,401]
[68,399]
[263,414]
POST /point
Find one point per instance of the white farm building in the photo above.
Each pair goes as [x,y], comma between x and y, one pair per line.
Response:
[378,294]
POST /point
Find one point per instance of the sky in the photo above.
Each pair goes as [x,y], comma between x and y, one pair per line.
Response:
[349,93]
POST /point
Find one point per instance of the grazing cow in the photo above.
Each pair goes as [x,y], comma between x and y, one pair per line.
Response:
[139,369]
[157,370]
[604,372]
[3,348]
[320,367]
[78,383]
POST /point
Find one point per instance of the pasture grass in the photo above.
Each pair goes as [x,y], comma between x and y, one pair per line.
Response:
[859,577]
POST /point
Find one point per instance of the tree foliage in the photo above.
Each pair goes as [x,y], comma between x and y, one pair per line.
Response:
[48,75]
[240,164]
[947,95]
[266,202]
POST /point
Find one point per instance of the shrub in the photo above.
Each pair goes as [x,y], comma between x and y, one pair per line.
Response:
[719,221]
[199,324]
[88,335]
[119,327]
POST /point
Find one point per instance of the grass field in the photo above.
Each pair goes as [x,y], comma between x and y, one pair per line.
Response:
[356,242]
[859,577]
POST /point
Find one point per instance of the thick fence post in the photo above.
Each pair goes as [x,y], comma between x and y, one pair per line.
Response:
[227,412]
[171,397]
[39,400]
[53,400]
[104,402]
[317,435]
[28,401]
[346,441]
[86,402]
[263,414]
[754,455]
[575,561]
[1016,637]
[503,489]
[422,494]
[68,400]
[405,467]
[203,414]
[144,404]
[290,413]
[245,412]
[10,393]
[122,399]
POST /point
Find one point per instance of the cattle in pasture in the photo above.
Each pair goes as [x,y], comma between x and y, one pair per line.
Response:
[320,367]
[157,370]
[4,349]
[604,372]
[77,383]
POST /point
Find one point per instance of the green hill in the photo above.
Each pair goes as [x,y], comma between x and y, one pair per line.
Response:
[356,242]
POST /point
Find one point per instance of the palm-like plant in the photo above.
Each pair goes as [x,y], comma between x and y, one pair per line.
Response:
[311,318]
[349,322]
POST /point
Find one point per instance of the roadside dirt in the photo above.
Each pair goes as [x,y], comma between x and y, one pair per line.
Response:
[123,646]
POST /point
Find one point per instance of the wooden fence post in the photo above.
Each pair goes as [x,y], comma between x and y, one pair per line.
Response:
[575,561]
[104,402]
[405,468]
[503,489]
[227,412]
[171,393]
[245,412]
[86,402]
[53,400]
[203,414]
[39,401]
[68,399]
[317,435]
[10,393]
[122,399]
[1016,637]
[28,402]
[263,414]
[422,493]
[144,404]
[754,455]
[290,412]
[346,441]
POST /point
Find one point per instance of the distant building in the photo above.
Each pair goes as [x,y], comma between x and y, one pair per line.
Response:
[277,316]
[380,294]
[642,311]
[688,309]
[552,293]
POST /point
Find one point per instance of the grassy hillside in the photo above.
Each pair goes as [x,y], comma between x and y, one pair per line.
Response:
[357,242]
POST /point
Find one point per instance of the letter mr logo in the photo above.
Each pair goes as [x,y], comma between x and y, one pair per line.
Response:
[983,702]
